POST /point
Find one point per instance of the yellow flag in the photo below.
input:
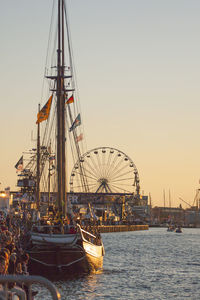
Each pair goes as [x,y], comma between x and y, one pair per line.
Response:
[44,112]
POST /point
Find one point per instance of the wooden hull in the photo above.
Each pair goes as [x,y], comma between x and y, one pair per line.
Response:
[60,262]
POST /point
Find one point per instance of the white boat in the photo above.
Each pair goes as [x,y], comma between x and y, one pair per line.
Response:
[54,239]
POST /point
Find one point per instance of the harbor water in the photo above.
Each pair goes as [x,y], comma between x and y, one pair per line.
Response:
[151,264]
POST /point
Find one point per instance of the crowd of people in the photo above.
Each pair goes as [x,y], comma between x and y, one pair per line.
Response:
[13,259]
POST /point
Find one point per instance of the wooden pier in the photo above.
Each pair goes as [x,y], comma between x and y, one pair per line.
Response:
[121,228]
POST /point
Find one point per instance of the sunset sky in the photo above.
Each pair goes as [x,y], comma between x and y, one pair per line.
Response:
[138,71]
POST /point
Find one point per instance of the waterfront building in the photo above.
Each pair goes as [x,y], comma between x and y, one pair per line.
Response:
[109,208]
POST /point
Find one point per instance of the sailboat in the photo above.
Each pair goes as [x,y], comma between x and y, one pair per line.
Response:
[58,246]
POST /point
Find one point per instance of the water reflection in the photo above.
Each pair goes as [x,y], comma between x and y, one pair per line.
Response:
[83,287]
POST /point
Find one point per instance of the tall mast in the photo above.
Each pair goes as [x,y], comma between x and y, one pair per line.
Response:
[38,166]
[164,197]
[63,114]
[59,116]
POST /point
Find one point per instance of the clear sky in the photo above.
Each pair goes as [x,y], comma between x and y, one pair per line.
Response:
[138,69]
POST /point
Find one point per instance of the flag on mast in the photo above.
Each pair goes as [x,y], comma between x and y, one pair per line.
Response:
[44,112]
[76,123]
[79,138]
[70,100]
[19,164]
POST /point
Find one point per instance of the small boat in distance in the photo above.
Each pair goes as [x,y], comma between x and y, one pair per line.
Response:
[178,229]
[171,228]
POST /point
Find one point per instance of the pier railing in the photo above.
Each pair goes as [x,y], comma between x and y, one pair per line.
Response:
[27,281]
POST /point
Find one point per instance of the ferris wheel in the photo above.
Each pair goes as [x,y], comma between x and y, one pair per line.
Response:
[104,170]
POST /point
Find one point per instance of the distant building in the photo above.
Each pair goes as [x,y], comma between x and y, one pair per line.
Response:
[163,215]
[192,218]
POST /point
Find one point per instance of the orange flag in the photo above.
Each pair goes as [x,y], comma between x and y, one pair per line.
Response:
[44,112]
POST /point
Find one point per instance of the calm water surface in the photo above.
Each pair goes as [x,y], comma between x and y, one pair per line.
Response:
[153,264]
